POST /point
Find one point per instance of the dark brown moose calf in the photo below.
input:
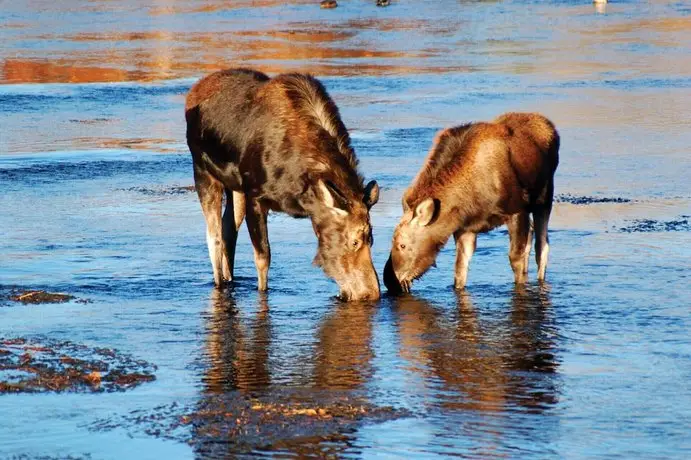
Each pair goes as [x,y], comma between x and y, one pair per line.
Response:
[476,177]
[279,144]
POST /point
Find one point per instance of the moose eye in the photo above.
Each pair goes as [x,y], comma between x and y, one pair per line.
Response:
[402,246]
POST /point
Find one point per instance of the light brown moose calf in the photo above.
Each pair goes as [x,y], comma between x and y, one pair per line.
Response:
[476,177]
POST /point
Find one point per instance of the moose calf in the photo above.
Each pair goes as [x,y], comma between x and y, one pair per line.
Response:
[476,177]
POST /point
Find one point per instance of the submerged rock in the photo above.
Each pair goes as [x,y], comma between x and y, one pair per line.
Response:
[303,422]
[36,297]
[44,365]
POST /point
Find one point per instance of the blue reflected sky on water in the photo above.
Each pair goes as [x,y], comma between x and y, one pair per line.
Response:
[92,156]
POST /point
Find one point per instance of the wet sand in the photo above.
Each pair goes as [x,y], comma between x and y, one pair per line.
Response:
[97,202]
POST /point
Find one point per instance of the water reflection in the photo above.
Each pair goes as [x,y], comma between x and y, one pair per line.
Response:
[239,343]
[257,398]
[65,71]
[237,350]
[150,43]
[493,365]
[344,351]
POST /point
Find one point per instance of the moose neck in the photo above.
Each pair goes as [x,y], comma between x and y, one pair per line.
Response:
[442,229]
[314,204]
[451,216]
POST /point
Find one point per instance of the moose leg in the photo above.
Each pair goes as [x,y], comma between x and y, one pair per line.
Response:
[541,220]
[210,192]
[465,247]
[233,216]
[519,235]
[528,245]
[256,224]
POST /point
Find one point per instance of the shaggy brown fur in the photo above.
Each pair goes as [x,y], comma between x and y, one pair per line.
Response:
[278,144]
[476,177]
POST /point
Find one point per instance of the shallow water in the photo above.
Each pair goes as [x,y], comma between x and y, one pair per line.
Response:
[93,169]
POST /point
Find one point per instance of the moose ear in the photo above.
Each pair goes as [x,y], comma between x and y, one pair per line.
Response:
[426,212]
[371,194]
[332,198]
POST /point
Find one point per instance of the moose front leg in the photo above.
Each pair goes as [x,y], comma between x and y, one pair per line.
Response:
[256,224]
[465,247]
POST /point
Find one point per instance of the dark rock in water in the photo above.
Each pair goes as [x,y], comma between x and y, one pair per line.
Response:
[240,424]
[383,2]
[44,365]
[163,191]
[568,198]
[91,121]
[681,224]
[37,297]
[328,4]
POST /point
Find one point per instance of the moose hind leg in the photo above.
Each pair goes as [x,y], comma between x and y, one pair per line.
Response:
[465,247]
[541,220]
[210,192]
[519,246]
[256,224]
[233,216]
[526,253]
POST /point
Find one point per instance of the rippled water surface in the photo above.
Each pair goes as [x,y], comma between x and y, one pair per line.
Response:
[96,203]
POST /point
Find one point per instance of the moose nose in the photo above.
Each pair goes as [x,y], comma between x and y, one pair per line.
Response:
[371,292]
[390,280]
[363,287]
[369,289]
[365,294]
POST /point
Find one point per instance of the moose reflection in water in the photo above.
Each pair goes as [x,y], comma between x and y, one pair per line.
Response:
[478,365]
[256,396]
[237,348]
[344,351]
[306,392]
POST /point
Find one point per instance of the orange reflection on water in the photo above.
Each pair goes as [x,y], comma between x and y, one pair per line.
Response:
[135,144]
[118,36]
[221,5]
[151,66]
[301,39]
[142,55]
[309,35]
[677,24]
[22,71]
